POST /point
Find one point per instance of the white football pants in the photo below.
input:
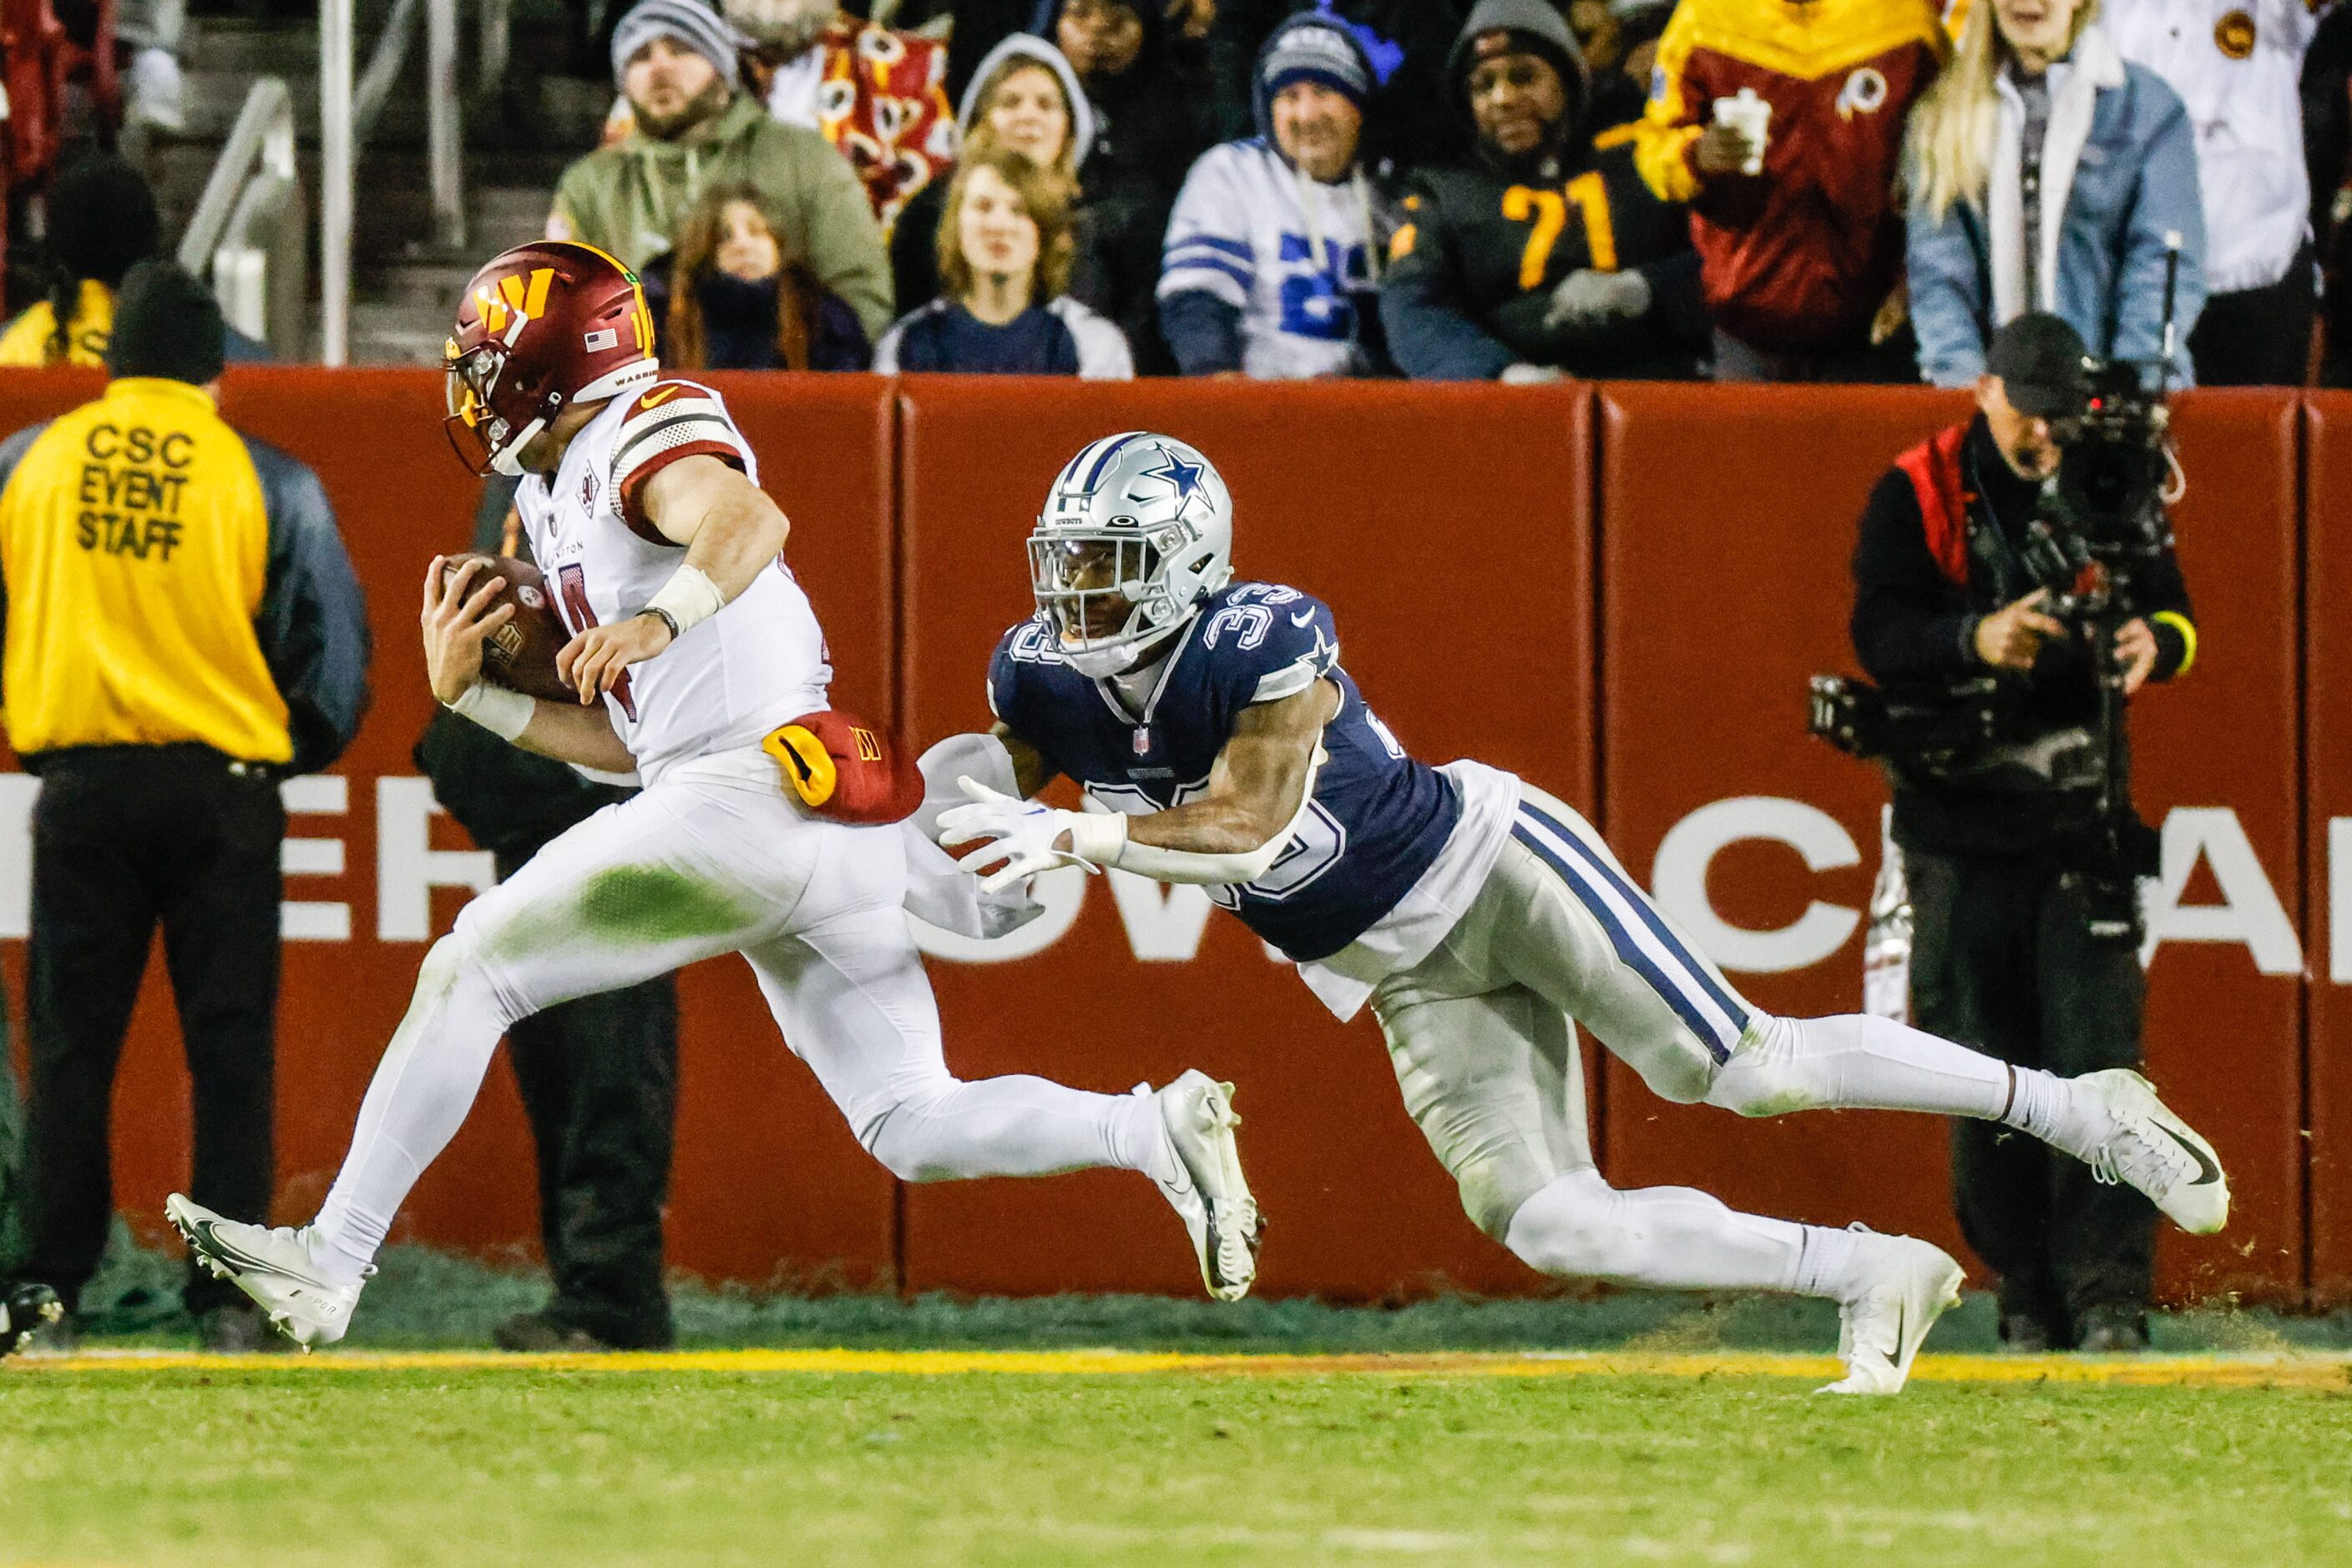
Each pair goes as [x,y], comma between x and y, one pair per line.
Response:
[1483,1037]
[714,859]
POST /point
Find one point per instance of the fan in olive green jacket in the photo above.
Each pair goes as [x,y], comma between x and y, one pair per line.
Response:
[629,198]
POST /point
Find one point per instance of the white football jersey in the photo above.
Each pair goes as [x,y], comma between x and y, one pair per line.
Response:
[757,663]
[1296,257]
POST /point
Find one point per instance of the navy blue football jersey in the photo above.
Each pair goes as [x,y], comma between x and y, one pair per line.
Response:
[1378,818]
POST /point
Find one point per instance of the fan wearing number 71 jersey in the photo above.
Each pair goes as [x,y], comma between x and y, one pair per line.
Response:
[700,668]
[1482,919]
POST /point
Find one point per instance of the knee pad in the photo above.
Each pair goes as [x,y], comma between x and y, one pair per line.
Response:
[1575,1226]
[1769,1075]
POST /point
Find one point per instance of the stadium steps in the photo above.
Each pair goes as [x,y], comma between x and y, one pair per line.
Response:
[518,138]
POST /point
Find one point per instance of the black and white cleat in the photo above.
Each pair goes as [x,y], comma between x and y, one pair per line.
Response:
[27,1309]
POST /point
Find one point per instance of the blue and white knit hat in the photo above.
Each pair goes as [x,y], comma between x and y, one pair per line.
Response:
[1315,49]
[690,22]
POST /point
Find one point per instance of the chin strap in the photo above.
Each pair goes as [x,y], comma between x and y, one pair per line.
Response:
[507,459]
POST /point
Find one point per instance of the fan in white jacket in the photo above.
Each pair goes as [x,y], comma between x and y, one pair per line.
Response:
[1274,246]
[2236,65]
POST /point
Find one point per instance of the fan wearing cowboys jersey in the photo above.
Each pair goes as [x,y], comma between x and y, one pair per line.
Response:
[1481,918]
[697,658]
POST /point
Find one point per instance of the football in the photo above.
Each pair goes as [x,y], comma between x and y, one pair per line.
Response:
[520,655]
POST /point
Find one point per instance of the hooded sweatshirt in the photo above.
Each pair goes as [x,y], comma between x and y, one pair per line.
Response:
[1484,245]
[914,242]
[1267,270]
[629,198]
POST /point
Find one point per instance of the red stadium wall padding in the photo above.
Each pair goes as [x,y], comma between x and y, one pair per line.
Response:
[1449,532]
[2220,771]
[2327,880]
[1454,530]
[769,1184]
[1724,586]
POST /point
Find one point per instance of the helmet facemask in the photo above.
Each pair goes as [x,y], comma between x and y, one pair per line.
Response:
[1107,594]
[486,441]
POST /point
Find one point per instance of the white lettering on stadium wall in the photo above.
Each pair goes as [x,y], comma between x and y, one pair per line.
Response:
[1166,924]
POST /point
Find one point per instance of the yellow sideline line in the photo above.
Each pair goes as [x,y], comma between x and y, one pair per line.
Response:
[2265,1370]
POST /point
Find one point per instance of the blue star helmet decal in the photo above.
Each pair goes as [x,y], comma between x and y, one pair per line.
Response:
[1183,477]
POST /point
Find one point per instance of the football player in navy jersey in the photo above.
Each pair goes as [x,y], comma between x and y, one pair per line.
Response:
[1481,918]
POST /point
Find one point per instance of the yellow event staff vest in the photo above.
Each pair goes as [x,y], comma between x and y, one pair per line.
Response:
[134,547]
[27,340]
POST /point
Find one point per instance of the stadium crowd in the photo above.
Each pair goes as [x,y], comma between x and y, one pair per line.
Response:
[1853,190]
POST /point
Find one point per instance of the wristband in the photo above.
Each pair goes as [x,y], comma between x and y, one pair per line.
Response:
[2183,628]
[1099,836]
[686,600]
[504,712]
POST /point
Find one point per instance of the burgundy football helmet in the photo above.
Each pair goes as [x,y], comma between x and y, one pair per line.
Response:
[543,326]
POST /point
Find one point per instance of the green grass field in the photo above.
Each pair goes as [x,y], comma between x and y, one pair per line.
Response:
[1602,1429]
[785,1456]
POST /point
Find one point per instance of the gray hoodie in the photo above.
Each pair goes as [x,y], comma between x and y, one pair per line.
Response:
[1027,46]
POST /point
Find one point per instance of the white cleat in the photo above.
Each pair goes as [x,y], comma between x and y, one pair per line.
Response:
[1906,1285]
[273,1266]
[1209,1193]
[2149,1147]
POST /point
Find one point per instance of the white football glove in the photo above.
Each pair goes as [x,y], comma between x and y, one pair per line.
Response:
[1020,833]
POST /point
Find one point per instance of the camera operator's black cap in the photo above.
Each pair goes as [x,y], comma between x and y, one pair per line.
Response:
[2043,366]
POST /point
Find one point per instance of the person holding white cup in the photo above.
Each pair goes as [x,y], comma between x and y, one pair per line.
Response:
[1781,125]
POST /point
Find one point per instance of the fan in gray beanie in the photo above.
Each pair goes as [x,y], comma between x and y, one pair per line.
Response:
[689,22]
[1317,50]
[165,324]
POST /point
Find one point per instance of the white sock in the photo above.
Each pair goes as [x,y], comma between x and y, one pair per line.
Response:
[1673,1237]
[1827,1266]
[1017,1126]
[1139,1139]
[2052,1110]
[1860,1063]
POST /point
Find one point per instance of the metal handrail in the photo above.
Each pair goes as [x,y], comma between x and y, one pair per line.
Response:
[248,231]
[384,68]
[347,116]
[264,133]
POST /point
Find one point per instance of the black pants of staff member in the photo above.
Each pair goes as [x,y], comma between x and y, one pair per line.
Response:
[2004,959]
[2258,337]
[126,838]
[599,1084]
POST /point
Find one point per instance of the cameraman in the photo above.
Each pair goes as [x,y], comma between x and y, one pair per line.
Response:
[2027,927]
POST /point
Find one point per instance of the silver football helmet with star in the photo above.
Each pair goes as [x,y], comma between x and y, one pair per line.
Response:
[1137,531]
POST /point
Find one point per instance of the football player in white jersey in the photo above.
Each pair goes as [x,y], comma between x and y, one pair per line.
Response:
[700,668]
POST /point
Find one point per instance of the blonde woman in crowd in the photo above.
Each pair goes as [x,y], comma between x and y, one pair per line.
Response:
[2046,174]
